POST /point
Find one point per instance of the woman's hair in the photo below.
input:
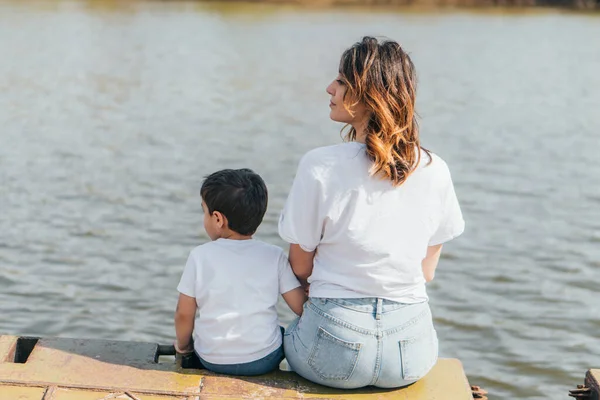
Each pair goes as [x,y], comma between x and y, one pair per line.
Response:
[380,75]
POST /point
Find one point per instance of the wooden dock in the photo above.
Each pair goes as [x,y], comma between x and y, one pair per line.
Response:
[80,369]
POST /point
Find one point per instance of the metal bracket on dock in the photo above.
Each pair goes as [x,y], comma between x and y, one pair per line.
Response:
[582,392]
[591,389]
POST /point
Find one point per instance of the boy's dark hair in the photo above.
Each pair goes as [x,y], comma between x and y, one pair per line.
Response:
[240,195]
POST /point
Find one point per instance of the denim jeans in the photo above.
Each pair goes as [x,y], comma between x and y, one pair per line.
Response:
[352,343]
[266,364]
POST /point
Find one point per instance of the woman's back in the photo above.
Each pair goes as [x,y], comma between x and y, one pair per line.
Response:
[366,221]
[372,236]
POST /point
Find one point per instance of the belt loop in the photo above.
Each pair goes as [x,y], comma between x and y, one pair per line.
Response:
[379,308]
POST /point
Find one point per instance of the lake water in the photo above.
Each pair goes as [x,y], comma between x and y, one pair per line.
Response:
[112,112]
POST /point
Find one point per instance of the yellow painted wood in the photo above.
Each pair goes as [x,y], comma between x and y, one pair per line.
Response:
[592,380]
[100,364]
[151,397]
[7,348]
[595,375]
[78,394]
[8,392]
[446,381]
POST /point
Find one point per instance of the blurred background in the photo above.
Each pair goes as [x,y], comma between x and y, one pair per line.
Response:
[111,112]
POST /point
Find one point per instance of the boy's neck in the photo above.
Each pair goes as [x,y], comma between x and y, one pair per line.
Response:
[231,235]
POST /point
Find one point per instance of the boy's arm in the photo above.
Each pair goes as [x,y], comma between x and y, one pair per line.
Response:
[291,290]
[295,299]
[184,323]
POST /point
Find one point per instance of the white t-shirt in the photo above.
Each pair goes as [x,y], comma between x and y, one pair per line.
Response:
[370,236]
[236,284]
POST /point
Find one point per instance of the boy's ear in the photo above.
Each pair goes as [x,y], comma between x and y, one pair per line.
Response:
[220,219]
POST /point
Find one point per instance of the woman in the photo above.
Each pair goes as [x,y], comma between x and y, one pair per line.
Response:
[366,221]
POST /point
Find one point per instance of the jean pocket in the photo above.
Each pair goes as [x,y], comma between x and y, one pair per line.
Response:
[418,355]
[333,358]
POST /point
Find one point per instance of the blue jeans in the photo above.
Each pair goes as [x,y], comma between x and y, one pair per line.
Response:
[352,343]
[265,365]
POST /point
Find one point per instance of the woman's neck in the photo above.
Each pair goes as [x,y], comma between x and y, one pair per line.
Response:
[361,135]
[361,131]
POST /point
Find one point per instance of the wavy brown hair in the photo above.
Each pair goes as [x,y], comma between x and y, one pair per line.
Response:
[380,75]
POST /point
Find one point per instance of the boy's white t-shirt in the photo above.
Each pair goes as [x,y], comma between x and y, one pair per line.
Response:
[236,284]
[370,236]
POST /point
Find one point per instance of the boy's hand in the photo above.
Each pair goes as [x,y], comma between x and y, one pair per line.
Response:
[189,348]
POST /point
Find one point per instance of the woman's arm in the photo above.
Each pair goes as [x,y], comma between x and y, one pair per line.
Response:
[430,261]
[301,262]
[184,323]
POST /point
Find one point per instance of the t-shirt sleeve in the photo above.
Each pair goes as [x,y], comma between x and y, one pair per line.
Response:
[299,222]
[451,223]
[287,279]
[187,283]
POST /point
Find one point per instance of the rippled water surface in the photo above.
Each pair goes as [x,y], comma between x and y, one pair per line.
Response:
[111,113]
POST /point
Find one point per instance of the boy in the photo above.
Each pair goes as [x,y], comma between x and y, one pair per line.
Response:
[234,281]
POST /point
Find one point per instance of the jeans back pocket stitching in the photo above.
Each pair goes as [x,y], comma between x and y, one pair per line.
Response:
[355,347]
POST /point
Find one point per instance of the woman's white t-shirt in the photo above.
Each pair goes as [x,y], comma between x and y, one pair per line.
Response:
[236,284]
[370,236]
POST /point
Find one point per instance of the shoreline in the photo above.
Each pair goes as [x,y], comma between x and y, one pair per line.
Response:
[492,6]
